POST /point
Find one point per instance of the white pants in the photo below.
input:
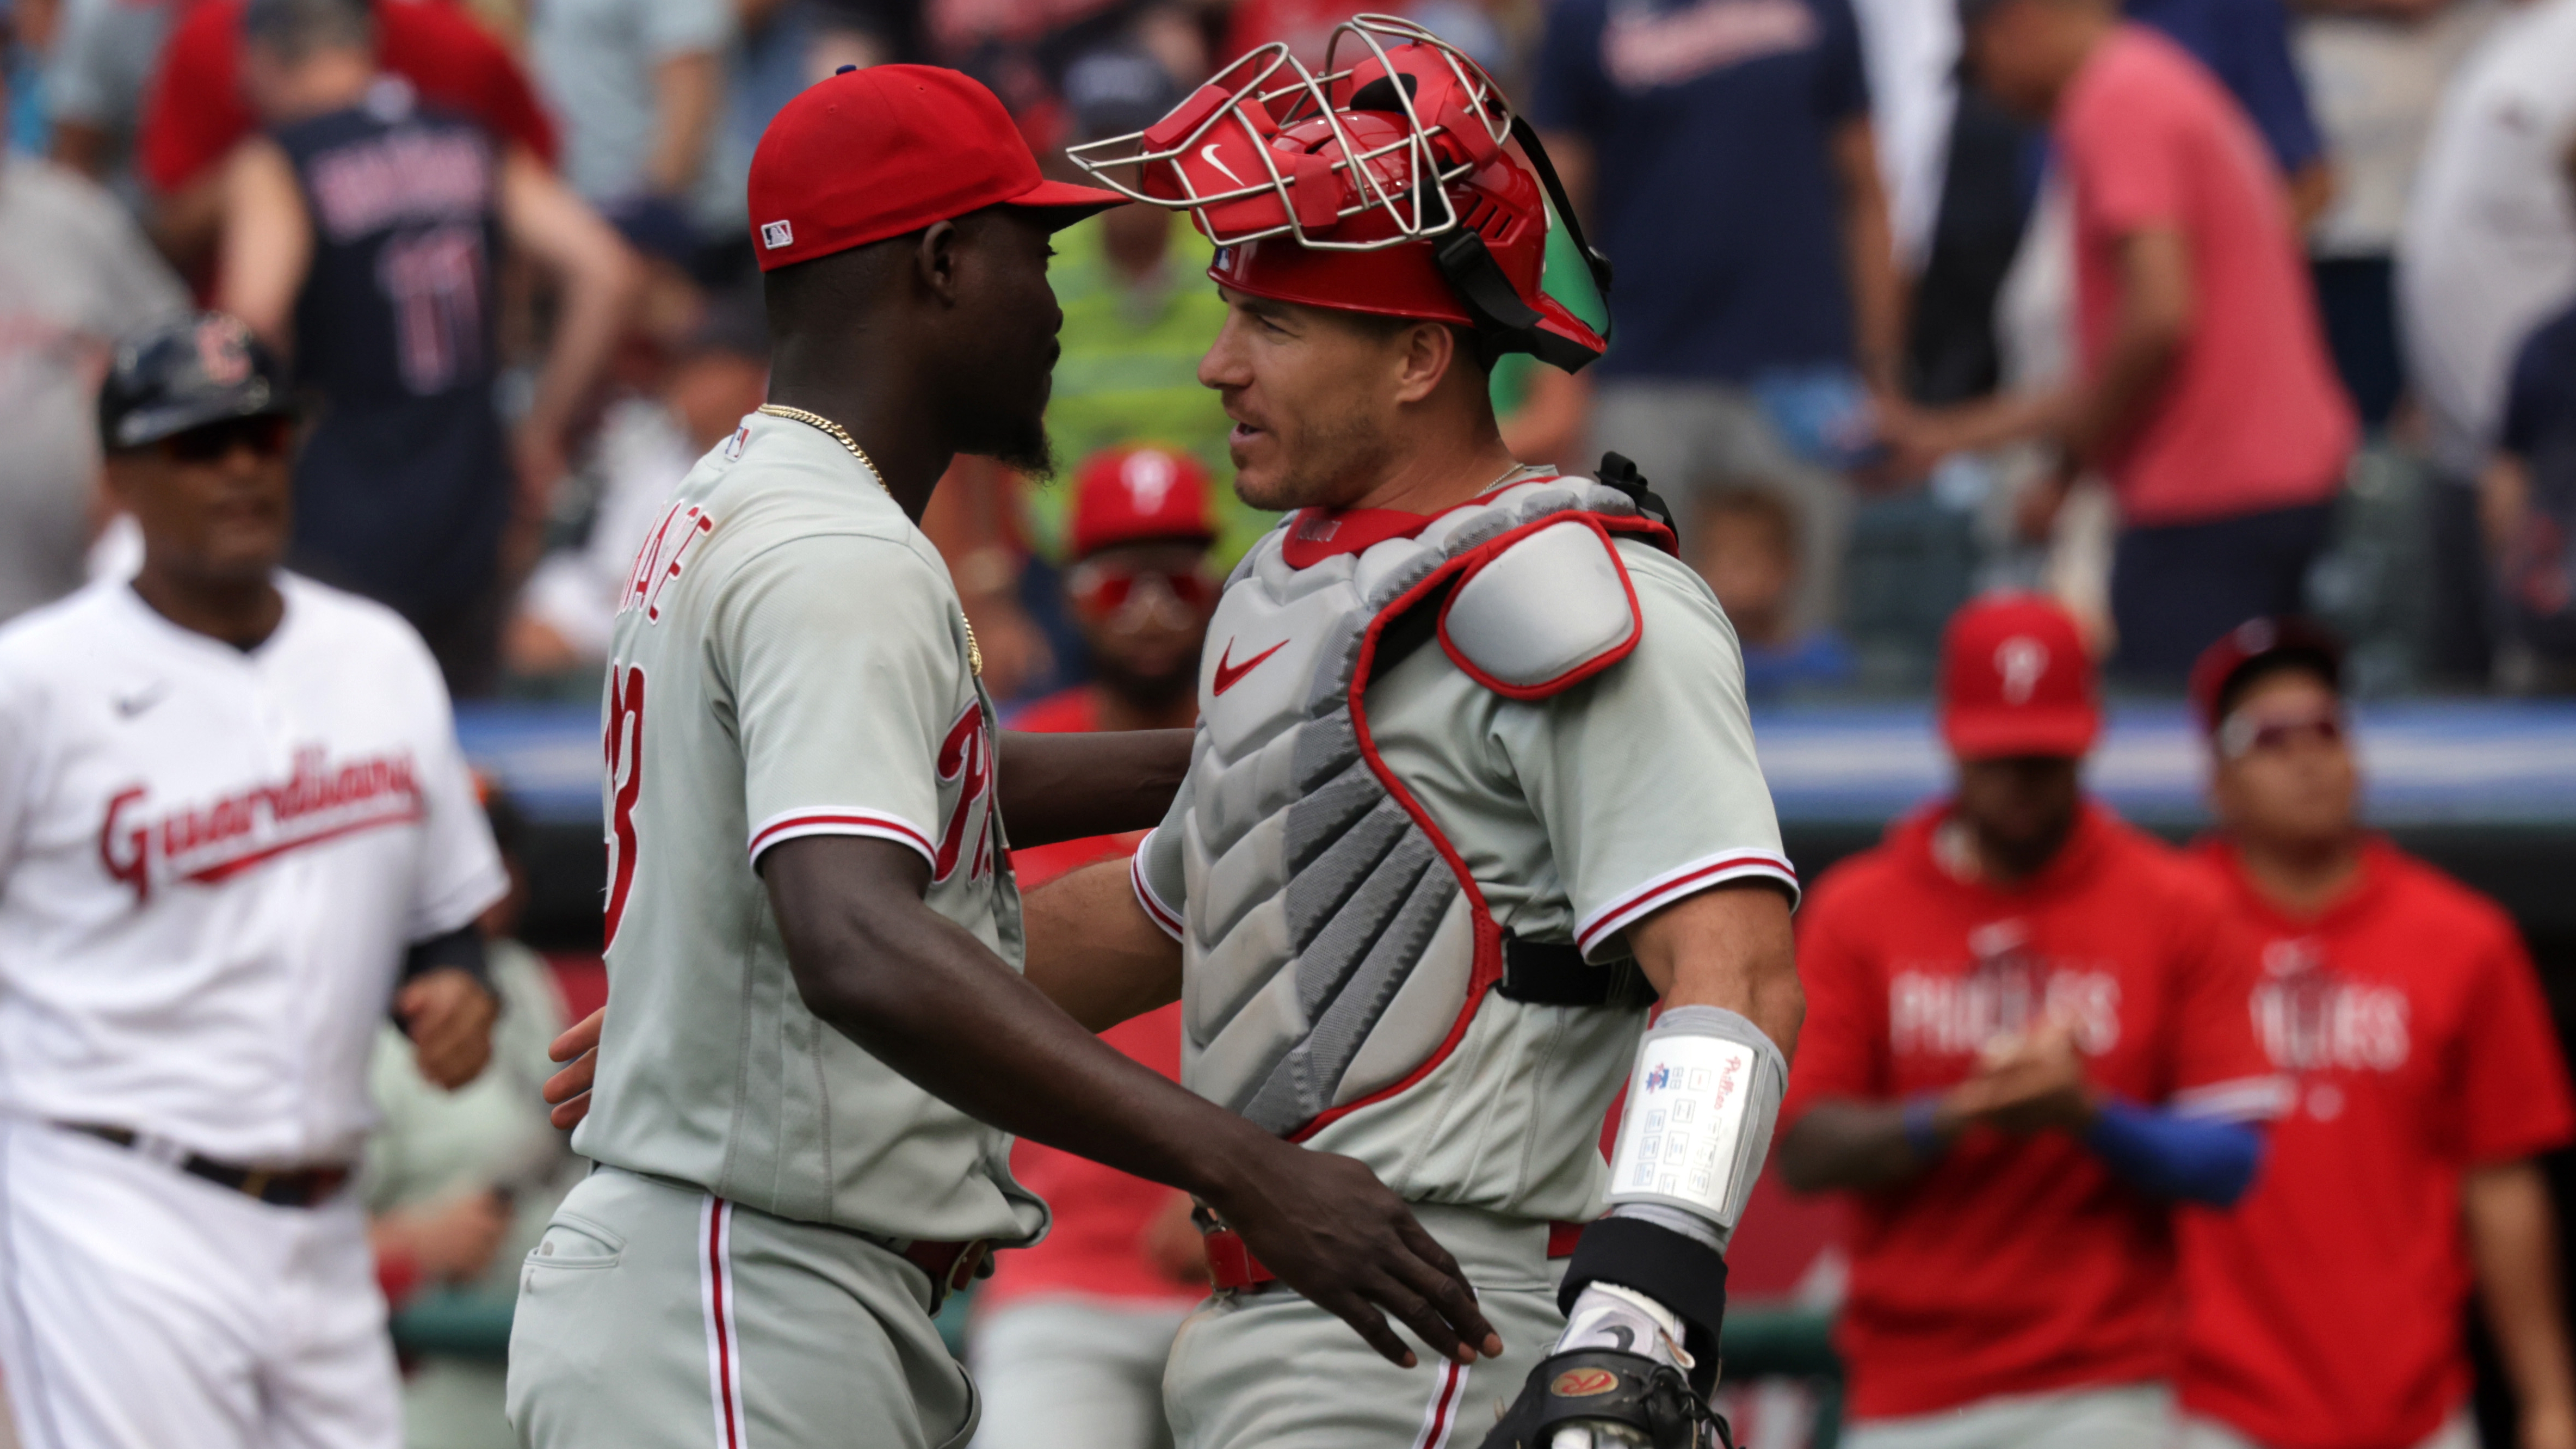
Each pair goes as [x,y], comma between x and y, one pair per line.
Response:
[2457,1433]
[141,1308]
[1074,1373]
[2133,1416]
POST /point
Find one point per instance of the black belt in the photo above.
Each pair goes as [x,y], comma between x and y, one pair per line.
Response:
[1554,973]
[295,1187]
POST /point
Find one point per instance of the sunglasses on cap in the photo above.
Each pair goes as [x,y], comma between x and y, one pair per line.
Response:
[266,437]
[2244,735]
[1109,589]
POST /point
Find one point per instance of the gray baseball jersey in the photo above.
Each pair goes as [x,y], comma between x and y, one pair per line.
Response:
[789,660]
[1574,814]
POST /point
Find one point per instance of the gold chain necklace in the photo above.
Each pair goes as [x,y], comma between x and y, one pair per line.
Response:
[841,435]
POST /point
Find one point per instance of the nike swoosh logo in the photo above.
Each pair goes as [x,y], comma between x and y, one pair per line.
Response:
[130,705]
[1208,154]
[1229,674]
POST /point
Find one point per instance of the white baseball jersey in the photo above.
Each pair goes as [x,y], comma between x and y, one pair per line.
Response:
[790,661]
[1574,814]
[211,862]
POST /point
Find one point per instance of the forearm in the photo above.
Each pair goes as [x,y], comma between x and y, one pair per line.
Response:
[1731,948]
[2133,371]
[1869,259]
[1857,1146]
[688,86]
[922,995]
[1093,950]
[1065,787]
[595,301]
[2513,1247]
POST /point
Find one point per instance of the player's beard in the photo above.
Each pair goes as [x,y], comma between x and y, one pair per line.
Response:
[1025,449]
[1327,463]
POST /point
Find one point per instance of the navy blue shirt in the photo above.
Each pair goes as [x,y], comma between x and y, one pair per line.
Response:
[2246,44]
[2539,576]
[1714,187]
[403,489]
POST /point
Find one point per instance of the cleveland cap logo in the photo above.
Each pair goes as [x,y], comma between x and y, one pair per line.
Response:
[2022,661]
[776,234]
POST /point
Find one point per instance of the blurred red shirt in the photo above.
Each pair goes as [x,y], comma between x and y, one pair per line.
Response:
[2324,1311]
[2016,1265]
[193,111]
[2252,416]
[1096,1247]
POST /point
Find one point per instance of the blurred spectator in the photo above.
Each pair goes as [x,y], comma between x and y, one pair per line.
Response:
[2375,69]
[779,48]
[2025,1038]
[1742,322]
[1749,547]
[1138,314]
[2326,1308]
[459,1185]
[2528,505]
[1306,27]
[2205,394]
[75,275]
[2246,45]
[359,232]
[1071,1335]
[646,445]
[2490,250]
[102,59]
[196,110]
[638,86]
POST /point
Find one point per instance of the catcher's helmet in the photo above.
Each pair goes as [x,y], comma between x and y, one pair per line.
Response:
[185,374]
[1388,184]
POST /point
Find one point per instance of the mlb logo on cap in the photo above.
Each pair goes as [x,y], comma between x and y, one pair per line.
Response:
[776,234]
[2016,679]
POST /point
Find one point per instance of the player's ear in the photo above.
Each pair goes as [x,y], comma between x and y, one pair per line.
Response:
[1430,349]
[935,261]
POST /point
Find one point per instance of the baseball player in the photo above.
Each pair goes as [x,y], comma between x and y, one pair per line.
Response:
[2324,1311]
[234,826]
[2028,1039]
[820,1038]
[1473,785]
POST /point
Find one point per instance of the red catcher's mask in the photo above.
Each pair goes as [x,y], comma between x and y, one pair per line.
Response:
[1398,182]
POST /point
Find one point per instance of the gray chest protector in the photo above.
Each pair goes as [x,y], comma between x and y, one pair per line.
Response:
[1336,944]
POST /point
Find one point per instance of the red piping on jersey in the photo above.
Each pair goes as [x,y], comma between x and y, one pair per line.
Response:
[898,829]
[1155,910]
[1488,969]
[1580,672]
[719,1320]
[1444,1408]
[1616,916]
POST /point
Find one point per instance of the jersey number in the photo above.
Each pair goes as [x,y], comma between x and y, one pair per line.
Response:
[624,748]
[434,279]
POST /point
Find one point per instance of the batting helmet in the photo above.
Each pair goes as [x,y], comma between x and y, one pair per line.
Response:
[1388,184]
[185,374]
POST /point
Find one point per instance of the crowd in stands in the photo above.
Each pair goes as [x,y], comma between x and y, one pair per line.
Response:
[2215,309]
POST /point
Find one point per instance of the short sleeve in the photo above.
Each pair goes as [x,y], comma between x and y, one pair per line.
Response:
[1569,91]
[1842,71]
[1157,871]
[460,868]
[844,680]
[2265,78]
[2514,1100]
[1644,776]
[2126,159]
[1842,1048]
[2217,1070]
[679,27]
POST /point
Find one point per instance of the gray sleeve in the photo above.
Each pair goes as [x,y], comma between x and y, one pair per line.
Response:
[1644,776]
[1158,873]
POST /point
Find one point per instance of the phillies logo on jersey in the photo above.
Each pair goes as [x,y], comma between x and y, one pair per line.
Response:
[2311,1017]
[966,761]
[211,842]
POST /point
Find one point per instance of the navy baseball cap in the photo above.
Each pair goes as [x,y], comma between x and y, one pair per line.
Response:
[2258,646]
[208,368]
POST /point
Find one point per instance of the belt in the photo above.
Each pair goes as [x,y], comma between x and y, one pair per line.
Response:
[295,1187]
[1231,1264]
[949,1266]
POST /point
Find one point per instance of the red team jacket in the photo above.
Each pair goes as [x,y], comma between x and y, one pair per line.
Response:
[2017,1265]
[2324,1311]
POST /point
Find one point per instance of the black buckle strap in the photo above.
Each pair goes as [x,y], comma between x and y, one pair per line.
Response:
[1554,973]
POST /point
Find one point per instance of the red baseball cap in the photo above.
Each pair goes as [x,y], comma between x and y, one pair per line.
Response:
[869,154]
[1141,495]
[2258,641]
[2016,679]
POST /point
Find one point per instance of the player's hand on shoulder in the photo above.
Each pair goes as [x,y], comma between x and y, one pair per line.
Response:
[568,1091]
[449,1016]
[1329,1229]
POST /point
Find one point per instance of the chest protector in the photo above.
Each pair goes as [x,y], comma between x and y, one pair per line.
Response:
[1336,944]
